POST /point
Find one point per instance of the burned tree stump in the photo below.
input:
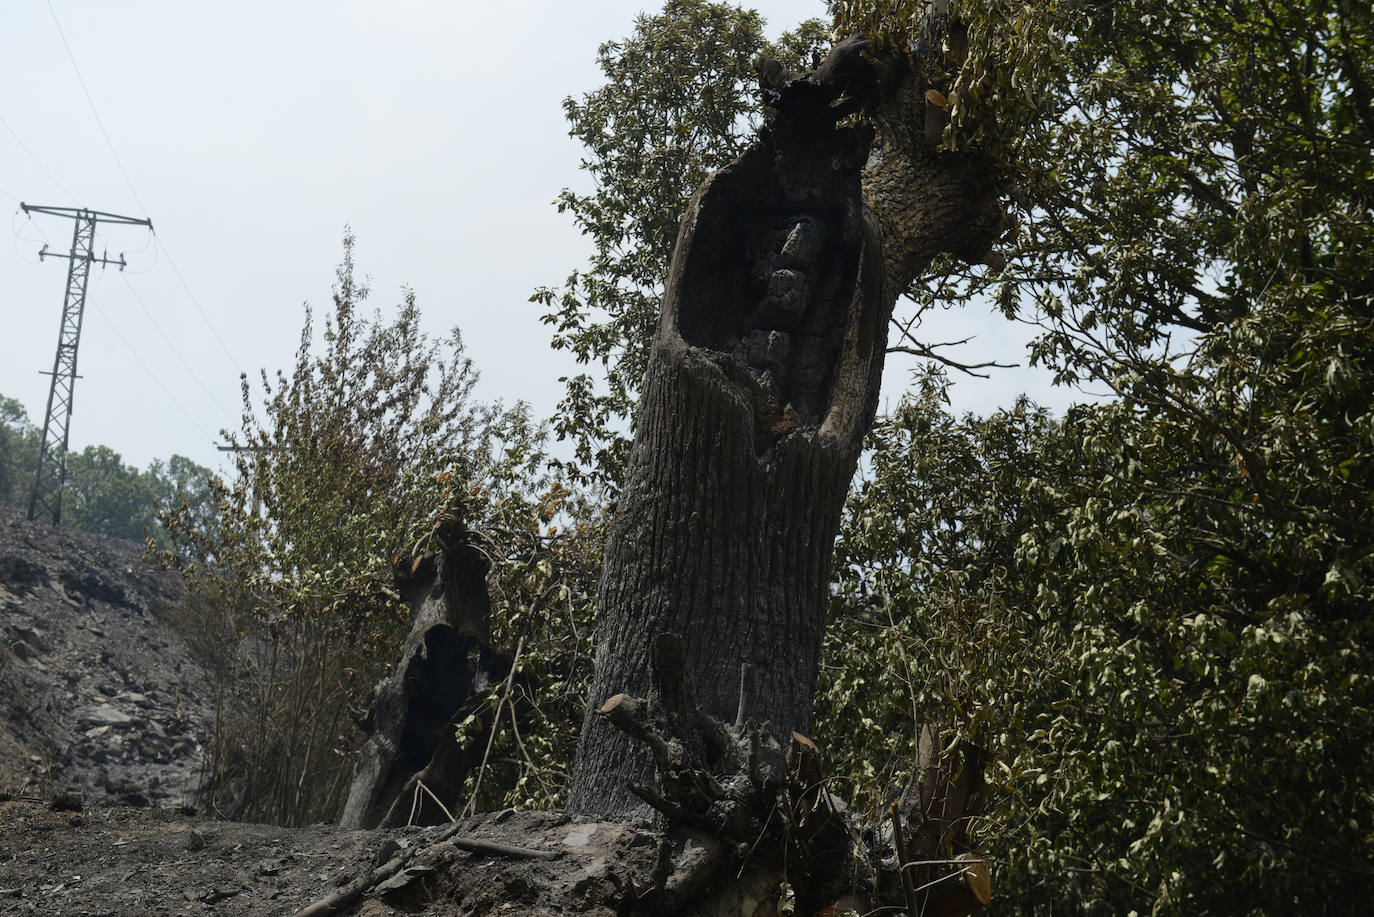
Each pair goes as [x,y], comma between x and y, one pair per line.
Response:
[411,768]
[762,381]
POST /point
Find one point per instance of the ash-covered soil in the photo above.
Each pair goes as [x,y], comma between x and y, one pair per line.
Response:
[99,696]
[115,862]
[119,860]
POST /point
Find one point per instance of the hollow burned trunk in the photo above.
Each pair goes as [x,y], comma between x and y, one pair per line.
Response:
[762,383]
[411,770]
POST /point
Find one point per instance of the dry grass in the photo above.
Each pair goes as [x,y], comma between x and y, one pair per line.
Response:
[282,744]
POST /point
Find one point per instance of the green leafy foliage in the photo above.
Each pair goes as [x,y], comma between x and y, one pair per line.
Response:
[18,452]
[190,490]
[543,610]
[1155,612]
[1171,731]
[926,628]
[101,493]
[339,474]
[104,495]
[358,452]
[544,544]
[988,61]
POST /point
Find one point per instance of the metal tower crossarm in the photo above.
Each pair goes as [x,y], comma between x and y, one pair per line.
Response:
[79,212]
[51,472]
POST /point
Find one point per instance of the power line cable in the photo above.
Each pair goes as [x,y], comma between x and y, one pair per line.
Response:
[157,259]
[162,247]
[91,102]
[104,241]
[152,375]
[16,230]
[138,299]
[24,146]
[20,252]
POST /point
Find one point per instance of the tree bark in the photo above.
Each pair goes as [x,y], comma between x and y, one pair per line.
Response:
[761,386]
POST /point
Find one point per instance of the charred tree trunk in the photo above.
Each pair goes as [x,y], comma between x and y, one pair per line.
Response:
[411,763]
[762,383]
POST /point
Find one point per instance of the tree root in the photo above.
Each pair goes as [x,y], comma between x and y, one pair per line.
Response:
[740,810]
[449,837]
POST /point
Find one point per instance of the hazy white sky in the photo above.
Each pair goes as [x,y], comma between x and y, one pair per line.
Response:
[250,133]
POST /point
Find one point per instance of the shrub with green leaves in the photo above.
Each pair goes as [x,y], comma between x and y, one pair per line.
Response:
[101,493]
[1155,611]
[356,453]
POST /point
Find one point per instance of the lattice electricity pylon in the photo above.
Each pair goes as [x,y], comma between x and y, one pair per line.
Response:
[51,472]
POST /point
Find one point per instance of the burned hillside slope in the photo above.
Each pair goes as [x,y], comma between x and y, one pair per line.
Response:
[98,694]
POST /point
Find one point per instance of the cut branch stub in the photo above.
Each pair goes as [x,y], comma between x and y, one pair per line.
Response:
[631,716]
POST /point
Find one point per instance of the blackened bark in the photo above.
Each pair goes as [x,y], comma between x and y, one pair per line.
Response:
[762,383]
[414,712]
[735,804]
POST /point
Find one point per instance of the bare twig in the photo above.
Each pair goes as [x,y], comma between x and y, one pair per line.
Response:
[470,807]
[420,785]
[968,368]
[928,351]
[899,839]
[478,845]
[355,889]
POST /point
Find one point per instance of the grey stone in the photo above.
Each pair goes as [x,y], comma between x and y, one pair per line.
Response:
[105,715]
[580,835]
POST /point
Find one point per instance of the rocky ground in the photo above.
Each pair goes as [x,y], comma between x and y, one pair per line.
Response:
[100,696]
[104,711]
